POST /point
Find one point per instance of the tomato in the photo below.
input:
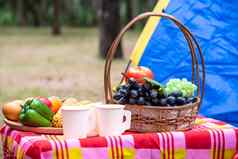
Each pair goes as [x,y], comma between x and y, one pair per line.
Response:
[139,72]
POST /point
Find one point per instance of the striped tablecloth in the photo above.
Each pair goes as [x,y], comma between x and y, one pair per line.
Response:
[210,139]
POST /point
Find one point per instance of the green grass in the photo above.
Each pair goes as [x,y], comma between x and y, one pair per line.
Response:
[34,63]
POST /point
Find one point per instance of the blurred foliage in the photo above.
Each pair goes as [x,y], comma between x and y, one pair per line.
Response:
[73,12]
[6,16]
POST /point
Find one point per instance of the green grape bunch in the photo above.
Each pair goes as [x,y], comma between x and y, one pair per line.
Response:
[183,85]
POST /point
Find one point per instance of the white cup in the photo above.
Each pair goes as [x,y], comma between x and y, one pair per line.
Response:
[78,121]
[112,119]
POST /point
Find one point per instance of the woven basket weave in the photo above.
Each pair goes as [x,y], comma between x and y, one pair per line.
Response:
[160,118]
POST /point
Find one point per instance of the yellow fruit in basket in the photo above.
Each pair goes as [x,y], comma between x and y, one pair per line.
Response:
[12,110]
[57,121]
[70,102]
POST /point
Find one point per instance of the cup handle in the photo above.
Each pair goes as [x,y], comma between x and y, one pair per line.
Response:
[127,122]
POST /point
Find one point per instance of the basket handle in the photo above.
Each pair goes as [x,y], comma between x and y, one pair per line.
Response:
[192,43]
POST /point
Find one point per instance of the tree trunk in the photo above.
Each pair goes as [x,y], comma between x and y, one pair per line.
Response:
[109,26]
[21,16]
[68,10]
[129,10]
[13,6]
[43,12]
[34,9]
[56,21]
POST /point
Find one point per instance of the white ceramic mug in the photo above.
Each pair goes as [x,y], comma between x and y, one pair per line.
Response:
[78,121]
[112,119]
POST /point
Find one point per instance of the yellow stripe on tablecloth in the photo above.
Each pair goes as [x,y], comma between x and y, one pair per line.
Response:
[229,153]
[75,152]
[179,153]
[147,33]
[129,153]
[20,153]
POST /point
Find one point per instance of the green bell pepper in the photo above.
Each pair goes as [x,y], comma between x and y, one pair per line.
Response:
[35,113]
[42,109]
[31,117]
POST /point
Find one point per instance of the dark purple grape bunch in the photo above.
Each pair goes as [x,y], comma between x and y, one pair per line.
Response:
[149,93]
[137,93]
[177,99]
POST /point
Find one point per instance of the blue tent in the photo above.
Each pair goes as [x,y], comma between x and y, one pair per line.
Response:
[214,23]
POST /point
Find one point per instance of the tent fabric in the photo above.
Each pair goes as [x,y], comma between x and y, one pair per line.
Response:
[214,23]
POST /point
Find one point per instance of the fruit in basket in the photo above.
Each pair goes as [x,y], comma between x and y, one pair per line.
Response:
[134,92]
[176,94]
[151,92]
[186,87]
[154,93]
[56,103]
[191,100]
[139,73]
[141,101]
[163,102]
[171,101]
[12,110]
[180,101]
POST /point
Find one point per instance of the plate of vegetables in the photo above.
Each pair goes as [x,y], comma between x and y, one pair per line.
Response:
[38,115]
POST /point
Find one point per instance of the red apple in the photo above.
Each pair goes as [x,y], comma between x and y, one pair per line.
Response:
[139,72]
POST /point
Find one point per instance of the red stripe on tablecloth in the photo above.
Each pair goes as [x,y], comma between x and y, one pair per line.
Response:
[117,148]
[2,128]
[146,141]
[164,148]
[223,143]
[67,150]
[172,144]
[168,144]
[20,135]
[197,139]
[122,152]
[7,133]
[37,147]
[214,144]
[61,147]
[219,143]
[56,146]
[94,142]
[112,147]
[236,133]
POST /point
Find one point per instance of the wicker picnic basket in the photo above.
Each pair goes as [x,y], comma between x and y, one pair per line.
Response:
[158,118]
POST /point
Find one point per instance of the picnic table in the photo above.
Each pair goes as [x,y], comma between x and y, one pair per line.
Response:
[209,139]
